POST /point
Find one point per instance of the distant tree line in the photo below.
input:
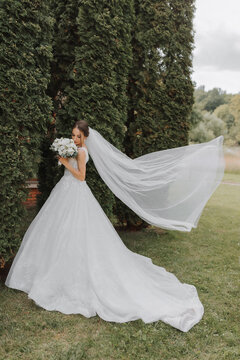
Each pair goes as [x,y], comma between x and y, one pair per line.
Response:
[215,113]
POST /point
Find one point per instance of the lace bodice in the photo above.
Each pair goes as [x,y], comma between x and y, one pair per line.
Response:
[73,162]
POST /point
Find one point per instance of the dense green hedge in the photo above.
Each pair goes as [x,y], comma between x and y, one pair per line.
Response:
[124,66]
[64,40]
[93,49]
[160,89]
[25,52]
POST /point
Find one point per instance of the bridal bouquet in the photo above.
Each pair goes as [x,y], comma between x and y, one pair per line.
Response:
[64,147]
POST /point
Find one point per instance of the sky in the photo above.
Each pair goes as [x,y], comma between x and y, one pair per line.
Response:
[216,57]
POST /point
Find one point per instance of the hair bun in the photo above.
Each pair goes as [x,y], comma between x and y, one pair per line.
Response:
[83,126]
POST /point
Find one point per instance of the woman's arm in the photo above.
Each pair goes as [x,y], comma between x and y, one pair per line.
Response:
[81,172]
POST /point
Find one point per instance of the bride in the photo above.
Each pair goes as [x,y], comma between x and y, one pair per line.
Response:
[71,258]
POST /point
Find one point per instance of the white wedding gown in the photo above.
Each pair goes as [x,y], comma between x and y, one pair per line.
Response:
[72,260]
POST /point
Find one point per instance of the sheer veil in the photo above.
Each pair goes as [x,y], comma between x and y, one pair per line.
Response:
[167,188]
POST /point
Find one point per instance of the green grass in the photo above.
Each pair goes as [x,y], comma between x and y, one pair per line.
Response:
[207,257]
[232,177]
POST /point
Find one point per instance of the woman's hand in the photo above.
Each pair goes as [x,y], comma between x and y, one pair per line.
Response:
[63,160]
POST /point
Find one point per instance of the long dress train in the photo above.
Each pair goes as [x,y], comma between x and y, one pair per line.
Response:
[72,260]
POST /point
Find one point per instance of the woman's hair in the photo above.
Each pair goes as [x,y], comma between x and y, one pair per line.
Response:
[83,126]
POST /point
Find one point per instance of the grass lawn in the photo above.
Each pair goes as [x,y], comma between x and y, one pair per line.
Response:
[207,257]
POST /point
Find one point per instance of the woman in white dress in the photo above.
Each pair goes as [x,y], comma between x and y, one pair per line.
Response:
[72,260]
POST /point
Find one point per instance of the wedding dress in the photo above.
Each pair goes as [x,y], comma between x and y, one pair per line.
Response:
[72,260]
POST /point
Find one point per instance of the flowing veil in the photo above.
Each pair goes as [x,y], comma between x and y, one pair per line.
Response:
[166,188]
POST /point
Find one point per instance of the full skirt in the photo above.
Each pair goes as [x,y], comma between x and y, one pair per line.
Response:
[72,260]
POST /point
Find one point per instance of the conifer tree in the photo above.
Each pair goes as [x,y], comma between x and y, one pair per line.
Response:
[93,47]
[25,53]
[160,89]
[64,41]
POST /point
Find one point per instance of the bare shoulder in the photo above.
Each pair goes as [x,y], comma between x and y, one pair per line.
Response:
[81,153]
[81,148]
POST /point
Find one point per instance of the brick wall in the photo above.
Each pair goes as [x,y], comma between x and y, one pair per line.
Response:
[31,200]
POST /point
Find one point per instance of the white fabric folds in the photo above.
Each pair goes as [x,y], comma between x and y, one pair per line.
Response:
[167,188]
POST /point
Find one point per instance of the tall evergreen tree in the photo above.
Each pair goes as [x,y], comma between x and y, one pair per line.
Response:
[98,47]
[94,50]
[64,41]
[160,89]
[25,52]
